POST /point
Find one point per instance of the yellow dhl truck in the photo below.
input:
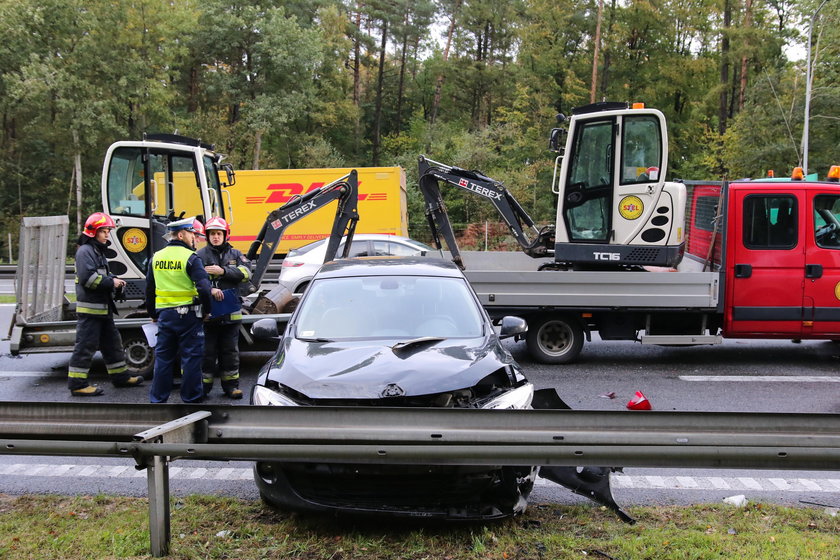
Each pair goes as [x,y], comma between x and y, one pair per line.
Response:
[382,203]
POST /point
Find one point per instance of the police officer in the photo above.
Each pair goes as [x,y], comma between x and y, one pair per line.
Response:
[228,269]
[95,328]
[177,298]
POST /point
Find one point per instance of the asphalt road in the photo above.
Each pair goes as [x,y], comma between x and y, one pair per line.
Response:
[776,376]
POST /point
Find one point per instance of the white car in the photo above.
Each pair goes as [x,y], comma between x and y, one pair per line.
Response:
[301,264]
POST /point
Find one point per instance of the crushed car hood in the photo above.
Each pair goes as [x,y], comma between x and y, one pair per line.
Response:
[367,369]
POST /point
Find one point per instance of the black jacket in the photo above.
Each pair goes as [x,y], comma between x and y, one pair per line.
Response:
[94,281]
[232,261]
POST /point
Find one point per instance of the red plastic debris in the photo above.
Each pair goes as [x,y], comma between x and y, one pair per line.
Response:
[639,402]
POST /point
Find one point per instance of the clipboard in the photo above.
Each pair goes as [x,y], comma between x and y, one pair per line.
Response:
[228,305]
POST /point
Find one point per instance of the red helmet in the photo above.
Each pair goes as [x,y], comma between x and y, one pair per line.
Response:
[217,223]
[198,227]
[97,221]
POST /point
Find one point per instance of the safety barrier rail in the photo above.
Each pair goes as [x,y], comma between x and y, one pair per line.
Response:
[154,435]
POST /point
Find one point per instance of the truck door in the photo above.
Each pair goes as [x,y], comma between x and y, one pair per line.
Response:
[822,265]
[766,276]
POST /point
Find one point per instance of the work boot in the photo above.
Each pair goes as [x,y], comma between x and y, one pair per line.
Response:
[89,391]
[235,393]
[129,381]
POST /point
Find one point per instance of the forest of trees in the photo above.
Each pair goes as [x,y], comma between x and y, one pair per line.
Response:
[473,83]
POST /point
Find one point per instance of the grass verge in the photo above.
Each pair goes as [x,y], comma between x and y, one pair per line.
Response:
[212,527]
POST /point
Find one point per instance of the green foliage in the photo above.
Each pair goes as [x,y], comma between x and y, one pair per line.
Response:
[331,82]
[213,527]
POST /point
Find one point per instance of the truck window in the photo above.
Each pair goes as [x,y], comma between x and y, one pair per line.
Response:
[588,193]
[214,188]
[705,212]
[770,222]
[641,150]
[827,221]
[184,190]
[125,183]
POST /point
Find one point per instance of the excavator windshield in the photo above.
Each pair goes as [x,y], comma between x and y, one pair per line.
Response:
[589,192]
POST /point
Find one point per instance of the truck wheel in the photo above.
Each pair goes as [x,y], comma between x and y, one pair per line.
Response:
[139,356]
[555,340]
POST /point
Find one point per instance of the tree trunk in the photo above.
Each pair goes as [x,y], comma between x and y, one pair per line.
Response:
[440,78]
[192,99]
[605,73]
[402,76]
[357,58]
[357,78]
[723,110]
[594,85]
[377,115]
[744,59]
[257,149]
[77,169]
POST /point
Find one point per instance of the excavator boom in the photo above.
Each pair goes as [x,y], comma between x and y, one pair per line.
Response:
[517,220]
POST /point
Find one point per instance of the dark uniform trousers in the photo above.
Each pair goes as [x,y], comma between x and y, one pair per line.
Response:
[96,332]
[221,343]
[179,335]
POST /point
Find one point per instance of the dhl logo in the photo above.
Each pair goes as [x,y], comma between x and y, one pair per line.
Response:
[281,193]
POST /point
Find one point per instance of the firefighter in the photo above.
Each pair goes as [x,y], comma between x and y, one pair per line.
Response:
[228,269]
[95,308]
[177,298]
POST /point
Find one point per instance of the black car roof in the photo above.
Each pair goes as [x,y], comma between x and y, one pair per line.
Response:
[389,266]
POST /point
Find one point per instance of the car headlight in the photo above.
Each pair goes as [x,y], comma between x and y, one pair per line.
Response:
[265,396]
[519,398]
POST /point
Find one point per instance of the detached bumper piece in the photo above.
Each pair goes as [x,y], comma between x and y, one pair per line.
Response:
[591,482]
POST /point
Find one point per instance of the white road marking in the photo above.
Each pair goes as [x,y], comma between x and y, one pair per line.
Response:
[619,480]
[764,378]
[7,374]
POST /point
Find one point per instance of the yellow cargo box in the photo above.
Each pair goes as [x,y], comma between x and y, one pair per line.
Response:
[382,203]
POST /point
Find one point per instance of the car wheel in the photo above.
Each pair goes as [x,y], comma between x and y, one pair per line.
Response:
[301,287]
[555,339]
[139,356]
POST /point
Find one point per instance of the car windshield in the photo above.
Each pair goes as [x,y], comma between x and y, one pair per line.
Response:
[389,306]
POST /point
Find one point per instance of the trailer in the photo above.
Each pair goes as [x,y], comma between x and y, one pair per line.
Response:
[45,318]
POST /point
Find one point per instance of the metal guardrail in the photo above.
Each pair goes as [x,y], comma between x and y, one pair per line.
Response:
[154,435]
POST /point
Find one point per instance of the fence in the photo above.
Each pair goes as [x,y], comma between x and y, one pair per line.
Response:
[154,435]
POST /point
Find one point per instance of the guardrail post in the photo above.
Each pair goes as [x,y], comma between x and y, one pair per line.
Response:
[187,429]
[159,530]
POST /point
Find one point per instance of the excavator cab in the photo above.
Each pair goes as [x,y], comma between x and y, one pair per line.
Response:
[615,208]
[145,185]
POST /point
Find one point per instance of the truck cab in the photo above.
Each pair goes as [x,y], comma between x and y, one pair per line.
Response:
[145,185]
[782,260]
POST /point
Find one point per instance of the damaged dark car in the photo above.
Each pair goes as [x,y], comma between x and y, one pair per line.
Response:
[398,333]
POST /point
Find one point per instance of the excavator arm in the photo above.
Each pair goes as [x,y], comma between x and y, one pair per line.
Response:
[517,220]
[345,190]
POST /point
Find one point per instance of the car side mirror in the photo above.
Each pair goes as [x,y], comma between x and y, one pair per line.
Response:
[557,140]
[512,326]
[265,329]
